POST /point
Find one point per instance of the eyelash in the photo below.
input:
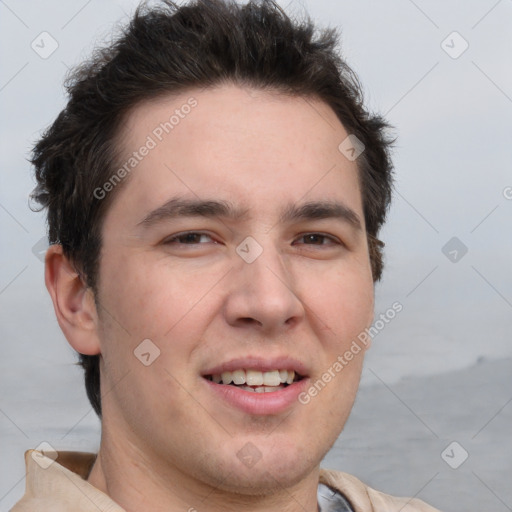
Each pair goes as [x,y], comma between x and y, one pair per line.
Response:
[171,240]
[168,241]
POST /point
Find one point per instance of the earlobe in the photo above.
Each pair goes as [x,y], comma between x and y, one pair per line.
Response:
[73,302]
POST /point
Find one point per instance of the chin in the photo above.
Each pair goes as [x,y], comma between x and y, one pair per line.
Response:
[272,470]
[263,481]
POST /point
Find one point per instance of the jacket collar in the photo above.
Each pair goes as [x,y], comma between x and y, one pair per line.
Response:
[64,478]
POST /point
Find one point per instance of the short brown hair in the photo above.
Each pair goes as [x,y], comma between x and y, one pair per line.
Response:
[168,49]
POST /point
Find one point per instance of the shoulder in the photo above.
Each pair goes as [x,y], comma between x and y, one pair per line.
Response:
[55,482]
[39,505]
[364,498]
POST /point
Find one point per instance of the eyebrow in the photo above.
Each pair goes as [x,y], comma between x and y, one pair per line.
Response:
[312,210]
[180,207]
[315,210]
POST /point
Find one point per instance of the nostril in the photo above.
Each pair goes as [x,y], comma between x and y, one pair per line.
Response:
[249,321]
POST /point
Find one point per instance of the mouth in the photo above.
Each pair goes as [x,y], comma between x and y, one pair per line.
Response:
[257,386]
[256,381]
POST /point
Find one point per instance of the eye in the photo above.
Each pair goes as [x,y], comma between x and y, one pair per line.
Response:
[319,239]
[190,238]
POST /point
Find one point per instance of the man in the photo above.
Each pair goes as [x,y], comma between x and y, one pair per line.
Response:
[215,189]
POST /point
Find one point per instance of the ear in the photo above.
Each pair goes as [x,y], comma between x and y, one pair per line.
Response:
[73,302]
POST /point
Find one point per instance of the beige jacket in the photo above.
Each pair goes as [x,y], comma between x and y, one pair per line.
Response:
[60,486]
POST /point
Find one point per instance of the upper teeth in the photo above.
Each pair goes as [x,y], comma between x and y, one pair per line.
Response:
[255,378]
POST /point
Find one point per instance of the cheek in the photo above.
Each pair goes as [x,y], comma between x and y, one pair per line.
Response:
[150,298]
[149,301]
[341,302]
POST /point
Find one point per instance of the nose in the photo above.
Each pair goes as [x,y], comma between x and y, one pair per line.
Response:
[262,294]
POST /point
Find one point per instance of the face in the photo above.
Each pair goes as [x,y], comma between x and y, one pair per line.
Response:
[237,246]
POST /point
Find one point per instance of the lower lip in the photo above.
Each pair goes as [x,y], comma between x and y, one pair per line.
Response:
[251,402]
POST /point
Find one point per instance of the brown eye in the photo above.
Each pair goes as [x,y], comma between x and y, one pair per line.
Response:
[190,238]
[318,239]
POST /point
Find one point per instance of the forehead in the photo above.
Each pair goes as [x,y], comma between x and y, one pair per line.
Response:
[246,146]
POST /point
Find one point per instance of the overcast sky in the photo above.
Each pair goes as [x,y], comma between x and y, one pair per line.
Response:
[451,107]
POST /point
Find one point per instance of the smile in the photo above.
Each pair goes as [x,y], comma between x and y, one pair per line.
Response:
[256,381]
[256,385]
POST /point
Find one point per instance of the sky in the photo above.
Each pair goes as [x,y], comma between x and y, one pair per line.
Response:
[438,71]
